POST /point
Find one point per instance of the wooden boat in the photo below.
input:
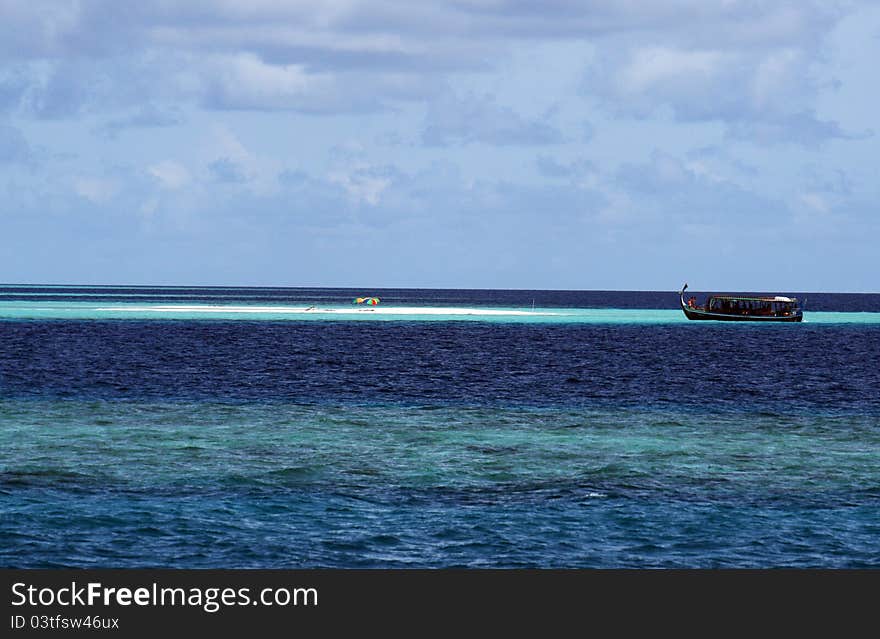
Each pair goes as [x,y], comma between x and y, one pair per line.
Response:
[736,308]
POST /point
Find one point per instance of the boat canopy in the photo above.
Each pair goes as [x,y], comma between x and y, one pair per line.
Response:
[777,298]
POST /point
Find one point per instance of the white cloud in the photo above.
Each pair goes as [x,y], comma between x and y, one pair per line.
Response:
[171,175]
[777,78]
[229,161]
[815,202]
[97,190]
[472,119]
[144,116]
[703,59]
[754,68]
[802,128]
[363,184]
[243,81]
[651,67]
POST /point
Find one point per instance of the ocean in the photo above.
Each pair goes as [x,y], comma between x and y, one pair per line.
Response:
[188,427]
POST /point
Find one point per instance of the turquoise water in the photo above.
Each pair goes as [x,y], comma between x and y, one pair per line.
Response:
[200,484]
[90,310]
[207,445]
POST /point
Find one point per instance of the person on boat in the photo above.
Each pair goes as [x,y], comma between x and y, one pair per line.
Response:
[692,302]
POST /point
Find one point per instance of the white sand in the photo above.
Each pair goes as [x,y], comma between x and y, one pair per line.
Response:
[378,310]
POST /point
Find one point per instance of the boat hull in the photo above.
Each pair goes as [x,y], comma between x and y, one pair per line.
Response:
[697,314]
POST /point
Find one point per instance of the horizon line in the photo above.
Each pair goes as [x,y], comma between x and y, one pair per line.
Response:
[422,288]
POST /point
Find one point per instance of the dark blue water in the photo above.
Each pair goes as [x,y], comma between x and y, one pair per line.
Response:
[805,369]
[187,443]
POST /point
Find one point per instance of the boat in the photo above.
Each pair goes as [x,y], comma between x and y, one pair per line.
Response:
[739,308]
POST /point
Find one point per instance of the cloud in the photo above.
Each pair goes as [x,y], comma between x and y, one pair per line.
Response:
[703,60]
[37,30]
[662,173]
[672,195]
[695,85]
[146,116]
[243,81]
[814,201]
[170,174]
[227,171]
[64,92]
[803,128]
[497,131]
[651,68]
[835,182]
[364,184]
[293,178]
[474,119]
[396,225]
[14,83]
[14,148]
[717,162]
[231,162]
[96,190]
[553,168]
[753,68]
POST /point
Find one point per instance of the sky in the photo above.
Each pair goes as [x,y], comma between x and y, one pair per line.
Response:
[580,145]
